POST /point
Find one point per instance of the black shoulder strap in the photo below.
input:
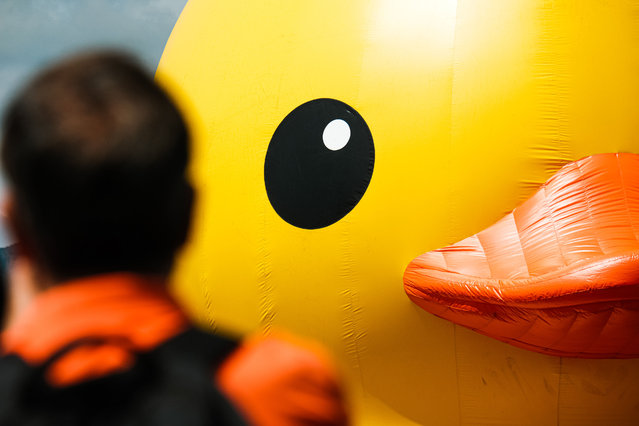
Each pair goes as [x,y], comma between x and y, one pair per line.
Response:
[172,384]
[199,346]
[14,372]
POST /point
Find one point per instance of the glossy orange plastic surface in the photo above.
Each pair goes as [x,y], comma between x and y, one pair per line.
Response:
[558,275]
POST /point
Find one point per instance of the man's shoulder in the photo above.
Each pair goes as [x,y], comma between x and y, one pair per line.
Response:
[281,379]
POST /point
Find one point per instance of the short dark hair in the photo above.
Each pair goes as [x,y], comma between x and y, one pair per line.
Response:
[95,154]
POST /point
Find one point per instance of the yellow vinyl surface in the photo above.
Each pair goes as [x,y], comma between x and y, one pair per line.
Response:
[472,105]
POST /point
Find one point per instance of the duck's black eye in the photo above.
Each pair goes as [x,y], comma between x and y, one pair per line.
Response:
[319,163]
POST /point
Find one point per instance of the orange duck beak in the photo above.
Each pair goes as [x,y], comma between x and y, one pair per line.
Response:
[558,275]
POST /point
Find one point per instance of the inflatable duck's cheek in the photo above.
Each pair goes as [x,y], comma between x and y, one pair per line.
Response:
[319,163]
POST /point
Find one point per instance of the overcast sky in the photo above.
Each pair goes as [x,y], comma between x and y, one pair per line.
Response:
[35,32]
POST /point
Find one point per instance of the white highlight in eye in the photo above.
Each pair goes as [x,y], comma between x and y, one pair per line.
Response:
[336,134]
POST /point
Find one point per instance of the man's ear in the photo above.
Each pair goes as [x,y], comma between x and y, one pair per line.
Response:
[22,287]
[14,224]
[7,212]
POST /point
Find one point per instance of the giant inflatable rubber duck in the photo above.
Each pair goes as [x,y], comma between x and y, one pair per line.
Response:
[346,151]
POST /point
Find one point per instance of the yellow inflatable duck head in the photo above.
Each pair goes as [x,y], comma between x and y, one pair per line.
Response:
[428,120]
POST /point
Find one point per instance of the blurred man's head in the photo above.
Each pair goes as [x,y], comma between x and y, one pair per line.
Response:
[95,156]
